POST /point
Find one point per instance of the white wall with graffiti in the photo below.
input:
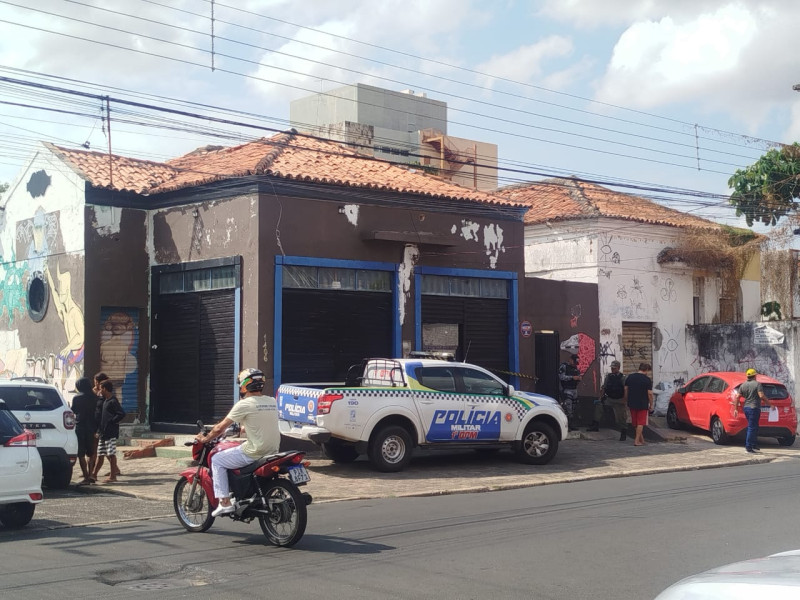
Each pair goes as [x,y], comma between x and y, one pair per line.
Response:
[772,349]
[633,287]
[42,271]
[622,258]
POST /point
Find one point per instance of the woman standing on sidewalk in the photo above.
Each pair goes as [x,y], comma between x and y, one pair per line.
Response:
[639,396]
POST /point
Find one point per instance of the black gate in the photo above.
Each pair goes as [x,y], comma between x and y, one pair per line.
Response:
[324,332]
[192,369]
[483,327]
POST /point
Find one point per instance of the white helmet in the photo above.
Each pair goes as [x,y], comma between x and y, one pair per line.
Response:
[251,380]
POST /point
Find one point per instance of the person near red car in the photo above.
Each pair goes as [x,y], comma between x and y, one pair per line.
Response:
[752,394]
[639,396]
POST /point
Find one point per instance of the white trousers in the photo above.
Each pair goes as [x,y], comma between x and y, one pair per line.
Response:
[232,458]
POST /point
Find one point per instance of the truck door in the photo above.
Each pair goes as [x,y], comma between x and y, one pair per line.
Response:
[437,403]
[482,417]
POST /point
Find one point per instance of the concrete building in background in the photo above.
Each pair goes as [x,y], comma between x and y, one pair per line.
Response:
[402,127]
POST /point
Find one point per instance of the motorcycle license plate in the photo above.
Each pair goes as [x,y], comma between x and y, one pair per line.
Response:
[299,475]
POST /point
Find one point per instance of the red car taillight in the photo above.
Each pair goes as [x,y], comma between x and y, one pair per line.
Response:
[26,438]
[326,401]
[69,419]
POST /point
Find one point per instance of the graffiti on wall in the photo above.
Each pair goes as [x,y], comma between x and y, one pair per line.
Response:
[43,343]
[71,316]
[670,343]
[119,343]
[12,295]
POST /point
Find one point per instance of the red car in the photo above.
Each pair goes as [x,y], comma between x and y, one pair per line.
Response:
[705,402]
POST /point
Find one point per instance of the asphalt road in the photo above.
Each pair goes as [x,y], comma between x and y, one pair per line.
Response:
[622,539]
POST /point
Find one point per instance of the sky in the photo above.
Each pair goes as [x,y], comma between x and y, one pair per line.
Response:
[667,96]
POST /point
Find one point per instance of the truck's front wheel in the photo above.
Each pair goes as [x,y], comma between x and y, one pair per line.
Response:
[538,445]
[390,449]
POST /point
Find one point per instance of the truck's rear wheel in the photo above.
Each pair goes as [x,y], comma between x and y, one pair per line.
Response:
[390,449]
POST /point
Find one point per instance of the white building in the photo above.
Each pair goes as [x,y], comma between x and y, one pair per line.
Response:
[577,231]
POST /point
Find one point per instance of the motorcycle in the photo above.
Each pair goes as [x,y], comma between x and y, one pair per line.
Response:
[266,489]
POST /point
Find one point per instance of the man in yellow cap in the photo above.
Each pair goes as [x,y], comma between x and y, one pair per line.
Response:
[752,394]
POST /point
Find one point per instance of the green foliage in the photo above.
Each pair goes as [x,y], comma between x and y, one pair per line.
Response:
[772,311]
[738,236]
[769,188]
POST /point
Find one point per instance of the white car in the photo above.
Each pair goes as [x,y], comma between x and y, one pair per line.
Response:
[40,407]
[20,472]
[775,576]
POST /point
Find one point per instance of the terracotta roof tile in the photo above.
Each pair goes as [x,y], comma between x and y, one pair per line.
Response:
[285,155]
[126,174]
[564,199]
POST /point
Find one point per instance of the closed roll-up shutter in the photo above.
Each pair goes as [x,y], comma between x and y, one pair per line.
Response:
[637,346]
[217,345]
[119,353]
[193,359]
[324,332]
[175,359]
[483,327]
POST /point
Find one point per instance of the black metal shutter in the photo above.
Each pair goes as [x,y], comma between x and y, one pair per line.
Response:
[175,365]
[193,360]
[217,345]
[483,324]
[324,332]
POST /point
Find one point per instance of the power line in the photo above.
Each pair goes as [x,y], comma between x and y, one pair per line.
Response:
[473,113]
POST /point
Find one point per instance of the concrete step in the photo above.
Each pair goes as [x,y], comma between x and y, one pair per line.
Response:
[144,442]
[174,452]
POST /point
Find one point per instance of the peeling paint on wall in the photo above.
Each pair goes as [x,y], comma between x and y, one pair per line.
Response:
[404,274]
[493,240]
[351,212]
[107,219]
[469,230]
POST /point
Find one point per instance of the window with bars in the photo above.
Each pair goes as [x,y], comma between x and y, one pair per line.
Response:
[330,278]
[474,287]
[198,280]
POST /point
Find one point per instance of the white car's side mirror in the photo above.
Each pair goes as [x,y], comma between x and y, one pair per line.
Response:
[511,390]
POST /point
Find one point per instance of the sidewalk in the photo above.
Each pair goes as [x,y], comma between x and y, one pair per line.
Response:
[581,457]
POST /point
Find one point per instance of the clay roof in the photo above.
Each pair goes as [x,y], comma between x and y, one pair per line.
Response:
[284,155]
[566,199]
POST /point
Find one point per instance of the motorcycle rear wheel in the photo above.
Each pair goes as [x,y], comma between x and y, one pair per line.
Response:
[193,513]
[287,518]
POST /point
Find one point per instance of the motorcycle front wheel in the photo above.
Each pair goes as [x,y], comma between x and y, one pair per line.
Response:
[192,508]
[286,522]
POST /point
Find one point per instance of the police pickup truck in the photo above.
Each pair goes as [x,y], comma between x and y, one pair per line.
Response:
[388,406]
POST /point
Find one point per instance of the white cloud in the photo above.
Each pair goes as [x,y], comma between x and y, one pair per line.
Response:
[734,60]
[527,63]
[592,13]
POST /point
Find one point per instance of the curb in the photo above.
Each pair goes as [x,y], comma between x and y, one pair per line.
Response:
[476,489]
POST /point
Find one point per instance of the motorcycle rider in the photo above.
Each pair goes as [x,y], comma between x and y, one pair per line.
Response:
[258,416]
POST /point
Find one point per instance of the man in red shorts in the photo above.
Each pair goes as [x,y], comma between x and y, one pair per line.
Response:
[639,397]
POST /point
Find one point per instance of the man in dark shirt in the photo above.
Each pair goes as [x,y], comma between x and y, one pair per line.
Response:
[110,417]
[639,397]
[752,394]
[83,405]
